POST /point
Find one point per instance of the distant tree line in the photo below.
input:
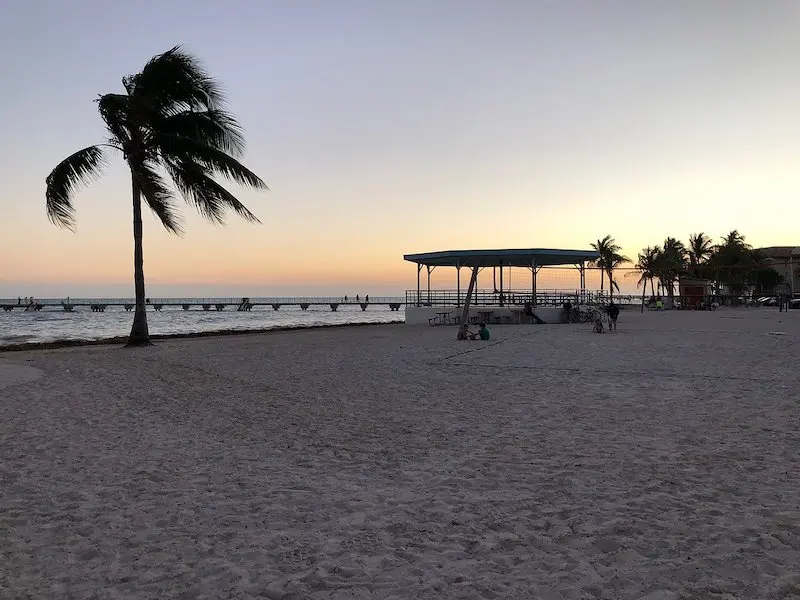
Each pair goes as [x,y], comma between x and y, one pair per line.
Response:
[732,263]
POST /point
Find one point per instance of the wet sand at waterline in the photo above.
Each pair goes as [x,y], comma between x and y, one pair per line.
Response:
[660,462]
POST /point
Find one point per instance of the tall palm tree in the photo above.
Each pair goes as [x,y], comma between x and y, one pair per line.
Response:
[671,263]
[601,247]
[646,266]
[700,250]
[609,258]
[171,119]
[613,261]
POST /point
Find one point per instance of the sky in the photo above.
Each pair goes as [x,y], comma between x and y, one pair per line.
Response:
[387,128]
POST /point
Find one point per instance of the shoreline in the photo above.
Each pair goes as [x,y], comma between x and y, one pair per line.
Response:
[122,339]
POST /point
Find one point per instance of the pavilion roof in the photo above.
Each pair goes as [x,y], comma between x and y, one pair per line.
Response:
[520,257]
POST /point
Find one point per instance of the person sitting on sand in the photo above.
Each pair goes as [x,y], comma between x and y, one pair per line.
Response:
[483,332]
[613,315]
[464,333]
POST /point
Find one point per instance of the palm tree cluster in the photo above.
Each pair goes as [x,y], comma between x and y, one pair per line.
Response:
[732,263]
[170,120]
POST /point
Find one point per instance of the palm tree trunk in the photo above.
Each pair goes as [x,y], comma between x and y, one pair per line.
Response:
[140,335]
[644,292]
[610,285]
[652,287]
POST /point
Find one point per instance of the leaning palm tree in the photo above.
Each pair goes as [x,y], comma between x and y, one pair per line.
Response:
[170,120]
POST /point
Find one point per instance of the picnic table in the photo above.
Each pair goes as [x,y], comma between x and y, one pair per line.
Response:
[485,315]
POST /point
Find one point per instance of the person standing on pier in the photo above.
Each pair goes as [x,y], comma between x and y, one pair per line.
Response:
[357,298]
[366,298]
[19,300]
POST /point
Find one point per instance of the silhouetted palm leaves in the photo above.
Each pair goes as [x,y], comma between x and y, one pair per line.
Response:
[170,123]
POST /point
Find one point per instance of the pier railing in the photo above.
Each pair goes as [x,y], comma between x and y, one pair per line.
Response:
[514,297]
[241,304]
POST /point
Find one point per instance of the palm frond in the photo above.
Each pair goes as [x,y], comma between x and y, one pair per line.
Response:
[208,196]
[115,110]
[176,148]
[175,81]
[158,196]
[77,169]
[216,128]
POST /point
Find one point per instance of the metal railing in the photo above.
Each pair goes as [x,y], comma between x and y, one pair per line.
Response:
[514,297]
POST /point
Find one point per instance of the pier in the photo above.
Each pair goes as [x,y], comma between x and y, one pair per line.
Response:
[238,304]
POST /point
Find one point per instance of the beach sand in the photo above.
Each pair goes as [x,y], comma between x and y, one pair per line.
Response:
[659,463]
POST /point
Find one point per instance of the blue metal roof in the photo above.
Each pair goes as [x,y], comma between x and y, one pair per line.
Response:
[520,257]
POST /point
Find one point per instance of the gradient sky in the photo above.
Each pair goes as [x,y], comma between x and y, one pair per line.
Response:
[385,128]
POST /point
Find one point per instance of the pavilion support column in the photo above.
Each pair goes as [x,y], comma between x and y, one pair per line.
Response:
[428,267]
[502,297]
[458,286]
[582,268]
[533,278]
[472,286]
[419,268]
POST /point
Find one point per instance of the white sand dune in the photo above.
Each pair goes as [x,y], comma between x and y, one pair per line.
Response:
[394,462]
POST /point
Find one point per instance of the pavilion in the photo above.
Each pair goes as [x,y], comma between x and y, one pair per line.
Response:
[422,308]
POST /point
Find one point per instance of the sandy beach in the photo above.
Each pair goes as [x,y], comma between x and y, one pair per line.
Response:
[657,463]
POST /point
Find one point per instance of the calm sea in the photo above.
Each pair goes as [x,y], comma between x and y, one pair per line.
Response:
[54,324]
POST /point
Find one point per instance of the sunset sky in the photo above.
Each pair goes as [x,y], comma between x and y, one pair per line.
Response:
[385,128]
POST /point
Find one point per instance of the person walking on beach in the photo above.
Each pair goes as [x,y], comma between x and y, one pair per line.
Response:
[613,315]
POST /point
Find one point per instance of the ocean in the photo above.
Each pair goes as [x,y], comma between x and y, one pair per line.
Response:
[53,324]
